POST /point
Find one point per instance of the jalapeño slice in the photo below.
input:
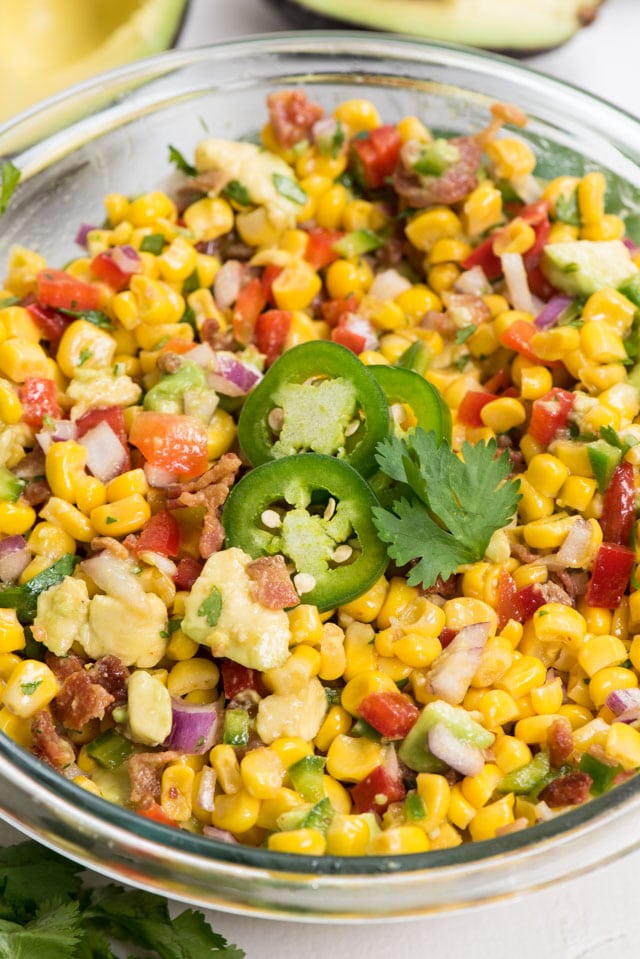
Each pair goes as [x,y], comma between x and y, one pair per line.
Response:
[319,398]
[425,407]
[316,511]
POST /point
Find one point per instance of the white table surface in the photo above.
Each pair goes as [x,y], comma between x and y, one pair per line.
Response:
[595,916]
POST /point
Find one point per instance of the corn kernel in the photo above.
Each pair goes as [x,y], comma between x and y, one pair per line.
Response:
[350,760]
[305,842]
[488,821]
[30,687]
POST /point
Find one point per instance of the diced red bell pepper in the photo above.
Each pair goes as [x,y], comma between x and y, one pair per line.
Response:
[447,636]
[320,248]
[549,414]
[499,382]
[64,292]
[377,791]
[157,814]
[114,417]
[271,272]
[173,441]
[271,331]
[250,303]
[619,506]
[39,398]
[610,575]
[188,571]
[528,600]
[237,678]
[346,337]
[392,714]
[484,257]
[334,310]
[50,323]
[116,266]
[507,605]
[518,336]
[161,534]
[377,155]
[470,409]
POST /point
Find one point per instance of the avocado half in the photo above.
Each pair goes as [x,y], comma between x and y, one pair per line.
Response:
[493,24]
[52,44]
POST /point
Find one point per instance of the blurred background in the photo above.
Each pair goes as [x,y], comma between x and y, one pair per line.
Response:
[55,43]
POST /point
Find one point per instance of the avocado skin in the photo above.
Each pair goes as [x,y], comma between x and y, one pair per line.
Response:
[303,18]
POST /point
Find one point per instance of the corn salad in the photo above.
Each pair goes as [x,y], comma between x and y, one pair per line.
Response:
[285,673]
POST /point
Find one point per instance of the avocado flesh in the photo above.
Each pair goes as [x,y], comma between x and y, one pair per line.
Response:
[56,43]
[495,24]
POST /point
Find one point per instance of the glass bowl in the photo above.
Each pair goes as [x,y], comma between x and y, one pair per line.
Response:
[111,134]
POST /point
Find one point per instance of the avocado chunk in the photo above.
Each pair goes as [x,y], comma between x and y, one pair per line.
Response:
[581,267]
[496,24]
[56,43]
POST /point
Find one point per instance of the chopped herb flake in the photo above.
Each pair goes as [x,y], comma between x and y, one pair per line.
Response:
[289,188]
[180,163]
[212,607]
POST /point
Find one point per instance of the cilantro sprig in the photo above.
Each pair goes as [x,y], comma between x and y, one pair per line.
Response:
[448,507]
[46,910]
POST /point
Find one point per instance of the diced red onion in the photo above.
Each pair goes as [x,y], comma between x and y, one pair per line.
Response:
[206,788]
[515,275]
[163,563]
[202,354]
[630,245]
[450,676]
[624,704]
[576,549]
[222,835]
[228,283]
[60,431]
[83,231]
[551,311]
[324,132]
[126,259]
[106,456]
[194,727]
[473,281]
[388,285]
[361,327]
[15,556]
[113,576]
[231,377]
[445,745]
[159,478]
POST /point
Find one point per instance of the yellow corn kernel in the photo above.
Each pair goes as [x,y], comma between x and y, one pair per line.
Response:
[610,227]
[16,728]
[8,662]
[367,607]
[305,842]
[357,215]
[399,840]
[338,796]
[16,518]
[535,381]
[180,646]
[146,209]
[190,674]
[348,835]
[517,236]
[623,745]
[208,218]
[557,623]
[478,789]
[362,685]
[548,698]
[523,675]
[578,716]
[547,473]
[305,625]
[16,322]
[20,358]
[386,315]
[291,749]
[611,307]
[448,250]
[533,504]
[437,223]
[331,206]
[417,301]
[510,158]
[496,816]
[600,342]
[236,813]
[125,516]
[178,260]
[358,115]
[510,753]
[483,342]
[30,687]
[350,760]
[225,764]
[576,493]
[497,708]
[411,128]
[398,600]
[89,492]
[300,667]
[495,660]
[176,791]
[534,729]
[11,632]
[482,209]
[84,345]
[337,722]
[465,611]
[333,658]
[24,266]
[127,484]
[117,207]
[64,464]
[460,811]
[548,533]
[10,405]
[156,301]
[598,652]
[435,792]
[360,653]
[416,650]
[529,447]
[262,772]
[503,414]
[284,800]
[343,279]
[607,680]
[529,574]
[296,286]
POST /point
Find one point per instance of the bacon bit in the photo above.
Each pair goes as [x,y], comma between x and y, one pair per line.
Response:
[36,492]
[79,701]
[145,776]
[110,673]
[216,338]
[169,362]
[568,790]
[113,546]
[48,744]
[209,490]
[454,184]
[272,586]
[63,666]
[187,573]
[560,742]
[292,116]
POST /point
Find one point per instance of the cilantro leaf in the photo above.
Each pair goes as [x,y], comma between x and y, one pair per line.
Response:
[463,334]
[289,188]
[9,179]
[449,506]
[212,607]
[97,317]
[180,163]
[24,598]
[237,191]
[54,933]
